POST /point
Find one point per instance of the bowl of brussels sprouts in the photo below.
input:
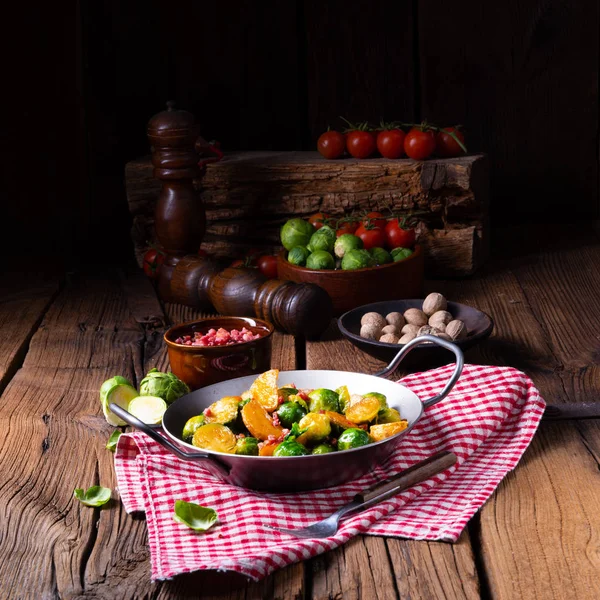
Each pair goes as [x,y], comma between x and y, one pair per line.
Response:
[294,431]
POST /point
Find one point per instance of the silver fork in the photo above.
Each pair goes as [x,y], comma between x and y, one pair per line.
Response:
[382,491]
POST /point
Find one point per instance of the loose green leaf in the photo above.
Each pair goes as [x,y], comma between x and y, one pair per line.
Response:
[194,516]
[113,439]
[94,496]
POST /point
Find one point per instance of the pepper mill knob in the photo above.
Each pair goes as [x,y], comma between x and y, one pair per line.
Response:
[180,219]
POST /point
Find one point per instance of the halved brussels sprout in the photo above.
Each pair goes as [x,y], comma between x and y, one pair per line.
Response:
[290,413]
[290,448]
[317,427]
[388,415]
[324,399]
[190,428]
[298,400]
[216,437]
[323,449]
[364,410]
[343,397]
[339,420]
[353,438]
[247,446]
[381,397]
[386,430]
[224,411]
[286,391]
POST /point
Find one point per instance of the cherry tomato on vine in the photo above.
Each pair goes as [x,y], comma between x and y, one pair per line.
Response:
[153,259]
[397,237]
[318,220]
[331,144]
[371,238]
[446,145]
[418,144]
[390,143]
[267,265]
[347,227]
[376,219]
[360,144]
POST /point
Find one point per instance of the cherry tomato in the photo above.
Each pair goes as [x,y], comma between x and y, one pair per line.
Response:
[331,144]
[360,144]
[446,145]
[347,227]
[372,238]
[318,220]
[376,219]
[390,143]
[267,265]
[418,144]
[153,259]
[397,237]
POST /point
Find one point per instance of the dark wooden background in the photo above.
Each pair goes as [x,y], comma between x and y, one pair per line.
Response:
[521,75]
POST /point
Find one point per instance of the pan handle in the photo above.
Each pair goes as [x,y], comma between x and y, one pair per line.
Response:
[423,339]
[215,466]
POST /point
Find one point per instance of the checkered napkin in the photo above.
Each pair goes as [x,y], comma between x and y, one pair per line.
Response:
[487,421]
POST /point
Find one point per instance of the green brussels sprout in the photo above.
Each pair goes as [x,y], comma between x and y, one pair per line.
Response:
[399,254]
[298,255]
[285,392]
[323,239]
[317,426]
[320,260]
[295,398]
[343,397]
[381,256]
[357,259]
[190,428]
[111,383]
[324,399]
[163,385]
[381,397]
[247,446]
[353,438]
[323,449]
[290,413]
[290,448]
[296,232]
[345,243]
[388,415]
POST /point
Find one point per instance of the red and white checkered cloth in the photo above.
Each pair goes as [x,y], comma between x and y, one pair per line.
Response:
[488,421]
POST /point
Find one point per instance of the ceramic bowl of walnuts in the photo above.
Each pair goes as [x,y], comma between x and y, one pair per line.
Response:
[382,328]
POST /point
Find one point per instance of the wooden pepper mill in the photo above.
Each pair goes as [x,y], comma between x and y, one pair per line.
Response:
[299,308]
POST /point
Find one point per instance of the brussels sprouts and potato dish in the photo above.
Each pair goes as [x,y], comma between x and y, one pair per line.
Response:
[267,420]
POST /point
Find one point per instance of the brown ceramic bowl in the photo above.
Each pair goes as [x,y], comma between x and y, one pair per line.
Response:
[200,366]
[350,289]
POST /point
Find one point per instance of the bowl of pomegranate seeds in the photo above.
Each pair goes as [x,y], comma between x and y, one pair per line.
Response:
[219,348]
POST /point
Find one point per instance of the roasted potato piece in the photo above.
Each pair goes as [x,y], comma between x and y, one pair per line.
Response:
[216,437]
[386,430]
[268,449]
[264,389]
[223,411]
[258,421]
[363,410]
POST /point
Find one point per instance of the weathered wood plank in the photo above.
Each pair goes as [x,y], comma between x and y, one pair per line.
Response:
[377,567]
[24,299]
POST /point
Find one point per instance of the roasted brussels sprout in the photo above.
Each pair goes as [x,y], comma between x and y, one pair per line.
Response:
[388,415]
[224,411]
[290,413]
[353,438]
[247,446]
[290,448]
[317,427]
[343,397]
[386,430]
[364,410]
[381,397]
[286,391]
[190,428]
[216,437]
[324,399]
[295,398]
[323,449]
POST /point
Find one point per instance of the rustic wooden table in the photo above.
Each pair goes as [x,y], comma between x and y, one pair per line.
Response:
[537,537]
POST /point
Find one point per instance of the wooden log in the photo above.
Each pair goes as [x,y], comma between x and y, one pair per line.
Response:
[249,195]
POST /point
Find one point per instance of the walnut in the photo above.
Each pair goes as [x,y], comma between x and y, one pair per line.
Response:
[389,338]
[428,330]
[370,331]
[390,329]
[407,337]
[443,336]
[456,329]
[440,319]
[373,318]
[434,303]
[411,329]
[415,316]
[396,319]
